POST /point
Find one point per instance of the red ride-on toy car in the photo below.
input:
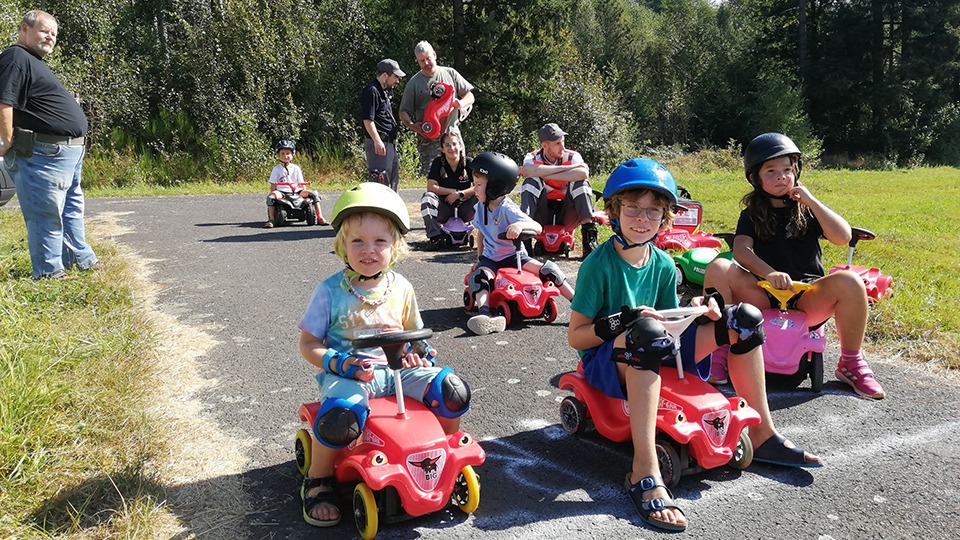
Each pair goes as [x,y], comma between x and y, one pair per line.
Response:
[697,426]
[403,464]
[439,113]
[685,232]
[517,293]
[556,237]
[877,284]
[792,351]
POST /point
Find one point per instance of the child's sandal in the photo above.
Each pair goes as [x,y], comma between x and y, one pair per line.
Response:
[647,507]
[310,502]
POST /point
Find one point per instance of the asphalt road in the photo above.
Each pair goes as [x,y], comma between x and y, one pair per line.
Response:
[891,466]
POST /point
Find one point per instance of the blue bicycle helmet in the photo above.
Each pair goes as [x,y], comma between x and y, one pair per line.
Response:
[285,144]
[643,173]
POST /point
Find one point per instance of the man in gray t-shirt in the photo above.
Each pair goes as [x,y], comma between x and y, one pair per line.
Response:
[416,97]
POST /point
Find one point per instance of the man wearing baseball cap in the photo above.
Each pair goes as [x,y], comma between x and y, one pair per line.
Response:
[380,125]
[553,167]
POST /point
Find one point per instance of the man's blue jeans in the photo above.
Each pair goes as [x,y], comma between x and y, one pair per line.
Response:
[51,200]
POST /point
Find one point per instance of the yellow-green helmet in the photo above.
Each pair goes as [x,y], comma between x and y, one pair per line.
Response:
[372,197]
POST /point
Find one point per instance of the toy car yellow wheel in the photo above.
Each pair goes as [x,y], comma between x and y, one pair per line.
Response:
[365,511]
[301,448]
[743,453]
[466,491]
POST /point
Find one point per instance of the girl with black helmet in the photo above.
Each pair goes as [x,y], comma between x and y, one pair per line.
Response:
[365,298]
[778,239]
[494,177]
[622,345]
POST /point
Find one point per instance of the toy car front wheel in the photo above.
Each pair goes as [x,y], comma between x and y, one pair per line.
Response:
[669,460]
[280,217]
[573,415]
[466,491]
[681,279]
[550,310]
[365,511]
[506,312]
[301,448]
[467,300]
[311,214]
[743,453]
[816,371]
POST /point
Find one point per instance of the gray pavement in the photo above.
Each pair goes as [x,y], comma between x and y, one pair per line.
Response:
[891,466]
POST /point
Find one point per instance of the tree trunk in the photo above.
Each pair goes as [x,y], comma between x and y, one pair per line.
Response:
[459,57]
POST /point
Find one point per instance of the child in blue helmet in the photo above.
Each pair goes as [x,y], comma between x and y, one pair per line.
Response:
[621,344]
[494,177]
[778,239]
[365,299]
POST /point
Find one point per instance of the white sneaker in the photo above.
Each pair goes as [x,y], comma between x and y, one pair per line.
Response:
[482,325]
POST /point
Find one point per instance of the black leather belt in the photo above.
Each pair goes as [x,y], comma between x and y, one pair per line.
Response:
[59,139]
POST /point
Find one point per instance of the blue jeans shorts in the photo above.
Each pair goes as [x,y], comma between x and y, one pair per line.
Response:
[601,371]
[415,383]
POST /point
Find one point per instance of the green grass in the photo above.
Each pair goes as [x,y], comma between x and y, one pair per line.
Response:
[74,375]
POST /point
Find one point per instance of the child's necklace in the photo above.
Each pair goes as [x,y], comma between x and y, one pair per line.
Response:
[363,299]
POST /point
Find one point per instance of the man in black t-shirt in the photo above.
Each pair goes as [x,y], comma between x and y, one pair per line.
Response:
[45,125]
[380,125]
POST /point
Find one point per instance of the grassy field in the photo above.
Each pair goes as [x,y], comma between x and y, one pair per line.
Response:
[76,356]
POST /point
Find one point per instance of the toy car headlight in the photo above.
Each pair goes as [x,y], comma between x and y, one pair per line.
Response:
[742,404]
[377,459]
[466,439]
[680,417]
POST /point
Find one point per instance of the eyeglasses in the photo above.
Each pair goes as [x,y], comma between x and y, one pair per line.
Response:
[651,214]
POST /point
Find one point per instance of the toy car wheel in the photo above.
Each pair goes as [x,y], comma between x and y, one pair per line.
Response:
[550,310]
[743,453]
[280,218]
[681,279]
[573,415]
[538,248]
[816,371]
[301,448]
[504,311]
[467,300]
[365,511]
[311,214]
[669,460]
[471,241]
[466,491]
[565,250]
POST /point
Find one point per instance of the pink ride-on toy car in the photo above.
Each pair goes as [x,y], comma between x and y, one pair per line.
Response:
[403,464]
[456,232]
[517,293]
[792,351]
[697,426]
[877,284]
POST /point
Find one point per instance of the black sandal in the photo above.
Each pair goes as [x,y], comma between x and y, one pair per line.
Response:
[311,501]
[775,452]
[645,508]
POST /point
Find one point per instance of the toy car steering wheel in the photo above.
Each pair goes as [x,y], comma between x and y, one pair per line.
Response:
[392,343]
[783,295]
[525,234]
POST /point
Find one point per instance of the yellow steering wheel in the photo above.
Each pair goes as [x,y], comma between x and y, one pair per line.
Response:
[783,295]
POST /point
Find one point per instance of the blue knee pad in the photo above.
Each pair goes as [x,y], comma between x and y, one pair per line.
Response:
[447,396]
[479,280]
[339,422]
[747,320]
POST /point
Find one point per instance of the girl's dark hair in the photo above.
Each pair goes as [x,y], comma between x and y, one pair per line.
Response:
[463,151]
[760,211]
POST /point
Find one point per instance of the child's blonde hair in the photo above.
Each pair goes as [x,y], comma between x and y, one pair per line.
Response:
[399,247]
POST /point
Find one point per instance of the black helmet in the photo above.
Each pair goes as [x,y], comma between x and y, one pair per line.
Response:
[285,144]
[766,147]
[501,172]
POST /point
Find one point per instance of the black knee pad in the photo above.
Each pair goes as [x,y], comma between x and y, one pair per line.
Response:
[448,395]
[649,345]
[551,272]
[747,321]
[480,280]
[314,196]
[337,426]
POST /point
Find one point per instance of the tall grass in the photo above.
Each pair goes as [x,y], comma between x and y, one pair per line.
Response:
[74,373]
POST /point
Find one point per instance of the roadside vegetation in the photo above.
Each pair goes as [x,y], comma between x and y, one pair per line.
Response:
[79,457]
